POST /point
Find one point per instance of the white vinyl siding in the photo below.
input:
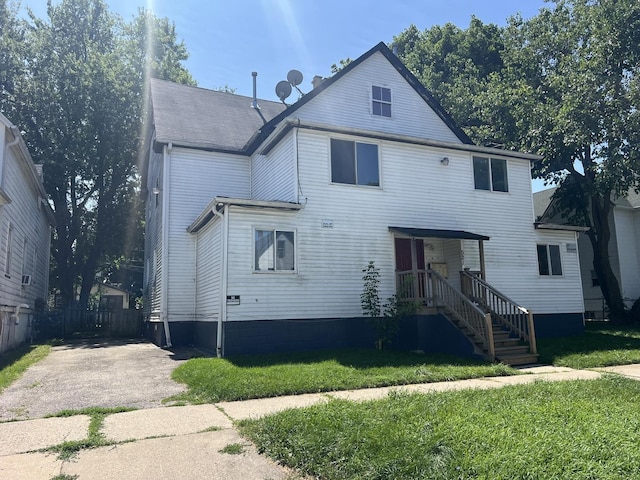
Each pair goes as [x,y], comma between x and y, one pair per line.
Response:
[628,247]
[196,177]
[419,192]
[273,176]
[208,275]
[27,220]
[347,103]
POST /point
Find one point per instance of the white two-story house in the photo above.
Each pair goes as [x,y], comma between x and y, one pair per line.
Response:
[25,235]
[261,218]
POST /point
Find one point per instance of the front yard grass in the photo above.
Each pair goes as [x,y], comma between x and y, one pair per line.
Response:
[601,345]
[564,430]
[14,363]
[259,376]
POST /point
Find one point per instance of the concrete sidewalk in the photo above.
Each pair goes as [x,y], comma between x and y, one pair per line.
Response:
[186,442]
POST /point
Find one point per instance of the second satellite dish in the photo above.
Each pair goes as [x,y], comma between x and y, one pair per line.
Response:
[283,90]
[294,77]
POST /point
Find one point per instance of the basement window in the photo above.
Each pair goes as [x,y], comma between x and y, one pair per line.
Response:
[549,261]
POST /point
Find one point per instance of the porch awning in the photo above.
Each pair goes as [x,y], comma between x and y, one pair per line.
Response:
[434,233]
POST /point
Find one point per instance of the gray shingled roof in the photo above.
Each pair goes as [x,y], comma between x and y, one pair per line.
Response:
[197,117]
[541,201]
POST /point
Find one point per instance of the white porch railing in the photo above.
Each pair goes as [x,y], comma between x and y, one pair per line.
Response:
[431,289]
[516,318]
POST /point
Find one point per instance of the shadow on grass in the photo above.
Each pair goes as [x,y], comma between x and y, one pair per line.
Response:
[597,338]
[354,358]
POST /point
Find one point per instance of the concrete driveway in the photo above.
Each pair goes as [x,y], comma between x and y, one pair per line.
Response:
[89,373]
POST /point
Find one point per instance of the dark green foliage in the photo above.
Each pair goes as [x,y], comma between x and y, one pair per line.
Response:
[564,84]
[81,76]
[569,430]
[384,318]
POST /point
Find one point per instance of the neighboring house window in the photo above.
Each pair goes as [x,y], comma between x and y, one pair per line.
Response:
[549,262]
[354,163]
[490,174]
[7,257]
[381,101]
[595,281]
[274,251]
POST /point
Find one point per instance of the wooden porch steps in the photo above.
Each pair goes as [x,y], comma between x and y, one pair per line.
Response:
[510,350]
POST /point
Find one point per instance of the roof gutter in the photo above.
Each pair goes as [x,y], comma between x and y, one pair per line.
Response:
[211,210]
[290,122]
[556,226]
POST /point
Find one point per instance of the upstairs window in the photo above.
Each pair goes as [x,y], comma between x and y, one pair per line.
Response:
[381,101]
[490,174]
[549,261]
[274,251]
[354,163]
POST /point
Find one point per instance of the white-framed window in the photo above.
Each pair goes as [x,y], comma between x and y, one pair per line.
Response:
[549,260]
[380,101]
[274,250]
[7,255]
[354,163]
[490,174]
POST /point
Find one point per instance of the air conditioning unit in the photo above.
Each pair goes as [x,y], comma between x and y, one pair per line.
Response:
[26,280]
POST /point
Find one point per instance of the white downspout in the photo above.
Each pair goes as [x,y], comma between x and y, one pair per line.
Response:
[165,243]
[224,275]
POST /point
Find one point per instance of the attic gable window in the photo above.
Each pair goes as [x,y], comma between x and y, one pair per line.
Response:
[381,101]
[490,174]
[354,163]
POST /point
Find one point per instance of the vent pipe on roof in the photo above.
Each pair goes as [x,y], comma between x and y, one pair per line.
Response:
[254,102]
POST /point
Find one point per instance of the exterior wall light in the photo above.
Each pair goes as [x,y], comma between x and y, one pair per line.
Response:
[445,161]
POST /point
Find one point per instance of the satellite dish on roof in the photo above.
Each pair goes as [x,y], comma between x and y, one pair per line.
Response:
[294,77]
[283,90]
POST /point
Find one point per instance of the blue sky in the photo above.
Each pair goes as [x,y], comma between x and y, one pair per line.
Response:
[229,39]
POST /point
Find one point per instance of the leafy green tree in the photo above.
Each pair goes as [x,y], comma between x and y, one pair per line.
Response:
[575,70]
[11,54]
[563,84]
[81,100]
[456,65]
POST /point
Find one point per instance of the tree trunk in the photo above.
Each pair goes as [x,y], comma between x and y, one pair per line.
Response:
[600,236]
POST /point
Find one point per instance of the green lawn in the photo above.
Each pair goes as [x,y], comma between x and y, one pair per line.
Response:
[565,430]
[14,363]
[239,378]
[601,345]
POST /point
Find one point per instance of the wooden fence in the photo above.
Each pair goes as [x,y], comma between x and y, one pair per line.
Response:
[91,322]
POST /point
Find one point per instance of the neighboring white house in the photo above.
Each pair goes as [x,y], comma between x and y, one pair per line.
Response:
[624,250]
[25,234]
[259,221]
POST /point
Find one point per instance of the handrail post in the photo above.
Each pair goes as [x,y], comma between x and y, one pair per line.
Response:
[491,345]
[532,334]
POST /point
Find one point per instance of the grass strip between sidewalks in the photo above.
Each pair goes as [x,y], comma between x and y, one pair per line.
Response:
[568,430]
[241,378]
[95,437]
[14,363]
